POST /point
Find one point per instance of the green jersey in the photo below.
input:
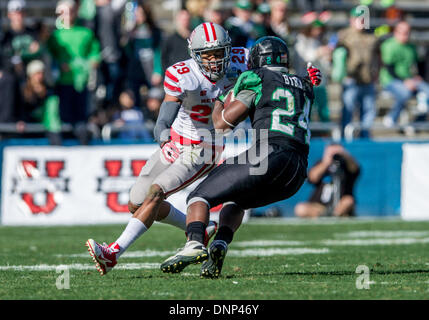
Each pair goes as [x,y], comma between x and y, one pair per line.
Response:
[279,102]
[399,60]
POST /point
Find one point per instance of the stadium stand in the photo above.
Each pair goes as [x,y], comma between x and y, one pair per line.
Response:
[415,12]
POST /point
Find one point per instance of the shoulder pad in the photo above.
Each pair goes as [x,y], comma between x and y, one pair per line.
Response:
[239,57]
[179,78]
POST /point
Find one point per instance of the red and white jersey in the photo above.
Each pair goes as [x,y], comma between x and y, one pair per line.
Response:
[198,94]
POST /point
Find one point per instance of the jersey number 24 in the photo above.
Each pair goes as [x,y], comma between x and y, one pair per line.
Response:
[289,110]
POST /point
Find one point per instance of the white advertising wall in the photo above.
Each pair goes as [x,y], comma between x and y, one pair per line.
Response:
[48,185]
[415,182]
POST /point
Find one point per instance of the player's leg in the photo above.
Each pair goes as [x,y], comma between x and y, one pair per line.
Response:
[230,218]
[284,185]
[183,173]
[168,179]
[166,213]
[150,196]
[147,201]
[223,183]
[105,256]
[195,250]
[234,182]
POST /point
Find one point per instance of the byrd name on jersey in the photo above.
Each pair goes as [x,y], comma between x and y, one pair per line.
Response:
[198,94]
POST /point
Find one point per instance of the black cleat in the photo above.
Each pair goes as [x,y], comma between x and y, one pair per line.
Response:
[213,266]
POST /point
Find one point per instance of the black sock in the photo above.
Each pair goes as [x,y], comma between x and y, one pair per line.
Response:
[196,231]
[224,233]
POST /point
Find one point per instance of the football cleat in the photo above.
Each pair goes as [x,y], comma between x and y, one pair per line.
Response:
[192,253]
[104,256]
[213,266]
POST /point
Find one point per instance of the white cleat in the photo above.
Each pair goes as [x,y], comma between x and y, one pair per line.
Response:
[192,253]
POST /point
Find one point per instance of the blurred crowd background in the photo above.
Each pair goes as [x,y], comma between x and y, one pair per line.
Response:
[93,69]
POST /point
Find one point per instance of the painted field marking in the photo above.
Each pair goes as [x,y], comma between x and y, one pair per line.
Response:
[319,221]
[252,252]
[78,266]
[249,252]
[383,234]
[373,242]
[266,243]
[128,254]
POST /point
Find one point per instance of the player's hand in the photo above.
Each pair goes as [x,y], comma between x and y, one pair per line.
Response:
[170,151]
[410,84]
[314,74]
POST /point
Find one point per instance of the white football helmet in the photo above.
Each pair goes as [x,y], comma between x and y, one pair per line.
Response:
[210,36]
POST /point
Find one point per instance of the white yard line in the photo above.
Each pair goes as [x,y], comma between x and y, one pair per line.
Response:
[128,254]
[258,252]
[319,221]
[373,242]
[382,234]
[267,243]
[78,266]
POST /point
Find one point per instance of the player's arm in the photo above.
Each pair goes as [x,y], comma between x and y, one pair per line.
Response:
[228,118]
[238,101]
[174,94]
[167,113]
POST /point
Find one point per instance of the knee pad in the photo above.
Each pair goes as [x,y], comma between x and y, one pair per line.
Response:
[139,191]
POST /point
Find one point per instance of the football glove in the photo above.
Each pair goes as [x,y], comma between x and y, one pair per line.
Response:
[314,74]
[170,151]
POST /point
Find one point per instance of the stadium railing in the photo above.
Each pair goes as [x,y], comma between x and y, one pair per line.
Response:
[410,129]
[36,128]
[331,128]
[10,127]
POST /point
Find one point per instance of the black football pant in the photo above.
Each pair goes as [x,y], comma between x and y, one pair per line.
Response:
[285,174]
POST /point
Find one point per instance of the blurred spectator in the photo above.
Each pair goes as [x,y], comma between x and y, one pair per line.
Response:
[8,96]
[261,17]
[86,13]
[196,9]
[240,26]
[383,32]
[399,74]
[215,13]
[153,104]
[44,31]
[278,19]
[175,46]
[310,47]
[353,62]
[130,118]
[76,51]
[19,44]
[334,177]
[39,103]
[308,6]
[143,49]
[107,30]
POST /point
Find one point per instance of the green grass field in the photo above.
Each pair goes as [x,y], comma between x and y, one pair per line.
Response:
[268,259]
